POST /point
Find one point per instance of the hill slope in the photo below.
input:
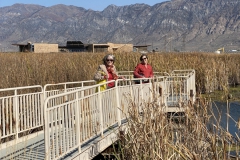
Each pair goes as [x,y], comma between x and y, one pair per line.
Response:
[183,25]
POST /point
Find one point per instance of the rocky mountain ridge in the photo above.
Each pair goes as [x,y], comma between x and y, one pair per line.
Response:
[177,25]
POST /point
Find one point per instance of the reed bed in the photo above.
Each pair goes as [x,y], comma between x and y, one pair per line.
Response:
[153,134]
[213,71]
[156,135]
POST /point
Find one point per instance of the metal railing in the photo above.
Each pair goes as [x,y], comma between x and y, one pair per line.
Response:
[21,108]
[72,113]
[20,111]
[85,116]
[180,87]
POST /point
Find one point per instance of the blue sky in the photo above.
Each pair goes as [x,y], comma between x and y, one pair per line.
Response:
[97,5]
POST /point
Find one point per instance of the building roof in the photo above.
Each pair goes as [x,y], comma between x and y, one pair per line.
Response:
[105,45]
[74,43]
[17,44]
[146,45]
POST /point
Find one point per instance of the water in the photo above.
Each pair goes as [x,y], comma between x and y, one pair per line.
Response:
[234,112]
[220,109]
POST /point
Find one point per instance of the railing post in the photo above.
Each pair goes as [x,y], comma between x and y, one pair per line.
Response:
[140,108]
[46,131]
[78,122]
[100,110]
[118,104]
[193,85]
[191,95]
[42,99]
[65,90]
[160,91]
[166,91]
[16,114]
[151,89]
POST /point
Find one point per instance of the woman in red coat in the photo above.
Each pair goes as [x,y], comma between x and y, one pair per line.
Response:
[143,69]
[107,72]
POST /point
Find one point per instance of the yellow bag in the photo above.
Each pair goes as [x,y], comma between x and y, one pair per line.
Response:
[102,87]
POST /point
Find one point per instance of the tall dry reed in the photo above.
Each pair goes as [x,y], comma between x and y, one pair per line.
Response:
[213,71]
[157,135]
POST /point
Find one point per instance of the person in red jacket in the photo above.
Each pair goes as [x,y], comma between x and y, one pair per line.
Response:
[107,72]
[143,69]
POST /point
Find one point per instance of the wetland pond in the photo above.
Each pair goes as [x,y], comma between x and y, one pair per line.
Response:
[220,109]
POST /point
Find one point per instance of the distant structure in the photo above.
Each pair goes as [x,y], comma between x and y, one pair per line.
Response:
[114,47]
[79,46]
[220,50]
[37,47]
[74,46]
[184,42]
[141,48]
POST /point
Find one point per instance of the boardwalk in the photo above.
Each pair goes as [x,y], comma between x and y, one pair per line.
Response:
[74,120]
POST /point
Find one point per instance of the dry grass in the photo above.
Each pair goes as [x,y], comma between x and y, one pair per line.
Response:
[155,135]
[23,69]
[152,135]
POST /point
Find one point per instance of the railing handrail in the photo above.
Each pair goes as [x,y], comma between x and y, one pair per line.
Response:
[20,88]
[66,83]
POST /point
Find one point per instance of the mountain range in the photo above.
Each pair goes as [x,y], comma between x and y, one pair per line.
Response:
[176,25]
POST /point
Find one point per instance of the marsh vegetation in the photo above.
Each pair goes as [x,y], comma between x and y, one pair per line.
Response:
[154,134]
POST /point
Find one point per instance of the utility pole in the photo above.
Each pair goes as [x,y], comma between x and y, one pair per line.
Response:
[152,45]
[171,43]
[165,44]
[171,38]
[184,42]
